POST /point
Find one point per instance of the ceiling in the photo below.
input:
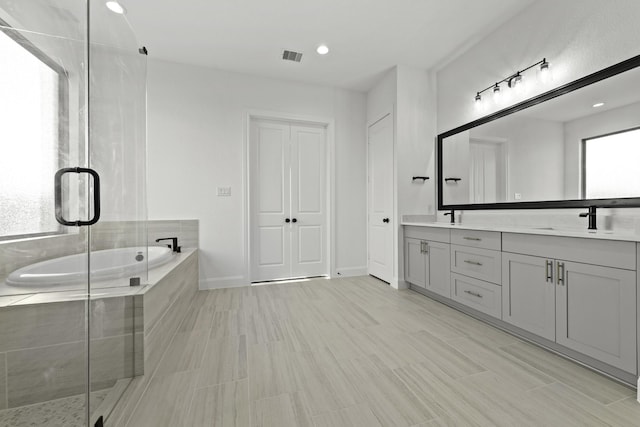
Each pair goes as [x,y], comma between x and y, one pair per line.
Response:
[366,37]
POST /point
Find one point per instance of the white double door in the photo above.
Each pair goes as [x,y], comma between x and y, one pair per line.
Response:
[288,200]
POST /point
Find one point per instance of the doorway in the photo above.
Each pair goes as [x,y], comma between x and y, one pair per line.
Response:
[288,200]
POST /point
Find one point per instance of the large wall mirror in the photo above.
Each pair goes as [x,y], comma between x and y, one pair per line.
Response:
[575,146]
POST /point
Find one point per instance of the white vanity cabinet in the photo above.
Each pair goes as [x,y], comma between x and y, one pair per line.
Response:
[529,294]
[596,312]
[586,307]
[575,295]
[427,259]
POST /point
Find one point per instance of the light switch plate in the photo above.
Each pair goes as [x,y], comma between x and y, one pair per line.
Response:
[224,191]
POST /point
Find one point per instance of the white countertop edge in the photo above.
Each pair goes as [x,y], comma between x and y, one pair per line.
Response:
[598,234]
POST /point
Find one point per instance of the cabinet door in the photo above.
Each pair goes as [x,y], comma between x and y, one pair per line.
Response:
[528,294]
[596,312]
[415,270]
[439,268]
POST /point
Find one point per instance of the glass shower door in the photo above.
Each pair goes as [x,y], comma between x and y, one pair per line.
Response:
[117,151]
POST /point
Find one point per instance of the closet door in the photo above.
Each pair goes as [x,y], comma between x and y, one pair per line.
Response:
[308,200]
[270,200]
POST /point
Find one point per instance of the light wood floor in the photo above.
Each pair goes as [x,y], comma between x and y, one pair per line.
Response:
[354,352]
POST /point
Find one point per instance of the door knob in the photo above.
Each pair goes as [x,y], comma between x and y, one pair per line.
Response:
[386,220]
[287,220]
[294,220]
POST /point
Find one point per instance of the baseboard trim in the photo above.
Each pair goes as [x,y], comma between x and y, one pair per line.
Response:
[351,271]
[223,282]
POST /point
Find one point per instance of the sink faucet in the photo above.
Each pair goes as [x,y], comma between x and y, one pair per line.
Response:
[453,216]
[592,217]
[174,244]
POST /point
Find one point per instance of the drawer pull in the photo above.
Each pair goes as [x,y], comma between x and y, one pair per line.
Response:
[477,239]
[549,271]
[475,294]
[468,261]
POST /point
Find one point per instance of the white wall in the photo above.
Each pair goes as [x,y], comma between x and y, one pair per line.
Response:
[197,123]
[535,155]
[578,37]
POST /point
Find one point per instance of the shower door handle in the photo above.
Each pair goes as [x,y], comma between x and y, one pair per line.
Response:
[58,197]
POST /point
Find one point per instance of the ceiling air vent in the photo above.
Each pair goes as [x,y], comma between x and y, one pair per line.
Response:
[289,55]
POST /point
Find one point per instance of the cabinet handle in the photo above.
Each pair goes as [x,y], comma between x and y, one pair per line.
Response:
[560,273]
[468,261]
[549,271]
[475,294]
[477,239]
[424,247]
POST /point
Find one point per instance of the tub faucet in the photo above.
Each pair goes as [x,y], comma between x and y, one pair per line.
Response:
[592,217]
[174,243]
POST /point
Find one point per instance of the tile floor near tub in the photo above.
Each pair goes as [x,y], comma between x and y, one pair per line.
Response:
[353,352]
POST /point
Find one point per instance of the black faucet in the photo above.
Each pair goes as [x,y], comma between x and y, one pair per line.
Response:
[174,244]
[453,216]
[592,217]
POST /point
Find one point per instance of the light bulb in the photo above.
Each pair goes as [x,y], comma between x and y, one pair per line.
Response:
[496,93]
[545,71]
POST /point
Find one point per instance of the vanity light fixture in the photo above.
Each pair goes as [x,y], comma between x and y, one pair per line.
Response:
[116,7]
[515,80]
[598,104]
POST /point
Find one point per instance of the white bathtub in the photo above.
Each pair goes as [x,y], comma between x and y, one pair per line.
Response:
[105,265]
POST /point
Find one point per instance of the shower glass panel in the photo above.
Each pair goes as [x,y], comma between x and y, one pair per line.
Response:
[73,96]
[44,342]
[117,151]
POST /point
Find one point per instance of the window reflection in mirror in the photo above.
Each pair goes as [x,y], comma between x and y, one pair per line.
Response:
[605,173]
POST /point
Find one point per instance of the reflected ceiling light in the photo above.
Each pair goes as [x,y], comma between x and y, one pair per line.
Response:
[598,104]
[116,7]
[515,80]
[323,49]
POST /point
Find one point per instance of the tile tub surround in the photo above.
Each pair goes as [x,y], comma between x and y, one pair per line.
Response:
[42,336]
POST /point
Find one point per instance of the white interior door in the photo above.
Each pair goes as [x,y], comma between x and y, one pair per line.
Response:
[288,200]
[270,200]
[381,199]
[308,196]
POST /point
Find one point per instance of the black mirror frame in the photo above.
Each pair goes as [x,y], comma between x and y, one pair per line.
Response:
[626,202]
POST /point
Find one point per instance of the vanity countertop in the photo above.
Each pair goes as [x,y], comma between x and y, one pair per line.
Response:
[546,231]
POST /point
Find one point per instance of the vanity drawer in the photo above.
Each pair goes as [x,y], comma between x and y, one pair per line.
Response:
[608,253]
[477,239]
[477,294]
[483,264]
[434,234]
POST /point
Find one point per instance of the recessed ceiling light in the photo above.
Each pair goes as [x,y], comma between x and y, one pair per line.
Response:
[323,49]
[598,104]
[116,7]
